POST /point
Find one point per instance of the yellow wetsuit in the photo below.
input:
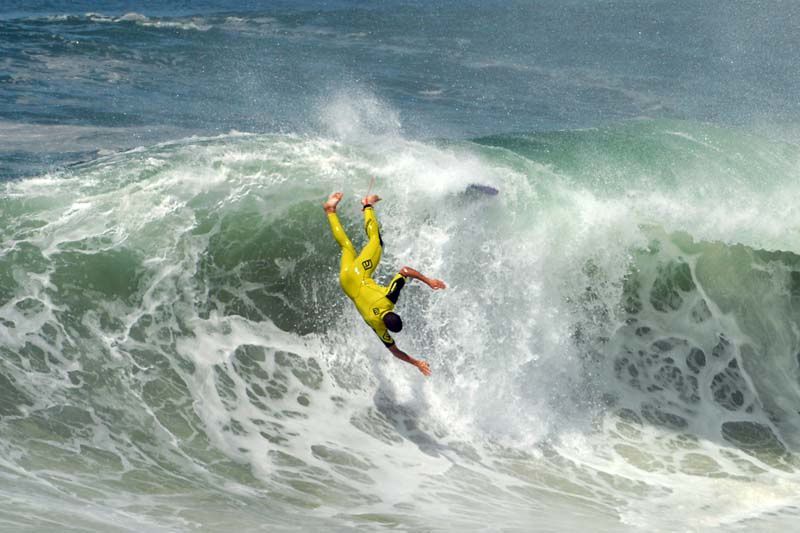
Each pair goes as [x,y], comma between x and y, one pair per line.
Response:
[373,301]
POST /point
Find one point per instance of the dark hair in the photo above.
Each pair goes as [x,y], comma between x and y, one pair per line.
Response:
[393,322]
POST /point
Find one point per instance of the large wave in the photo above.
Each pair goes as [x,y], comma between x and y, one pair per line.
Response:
[619,332]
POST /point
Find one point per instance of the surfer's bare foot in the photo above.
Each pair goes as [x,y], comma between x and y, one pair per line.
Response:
[333,201]
[372,199]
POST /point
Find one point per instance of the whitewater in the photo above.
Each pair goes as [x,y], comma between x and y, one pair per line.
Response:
[617,350]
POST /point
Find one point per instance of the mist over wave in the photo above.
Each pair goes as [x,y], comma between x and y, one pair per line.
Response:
[86,77]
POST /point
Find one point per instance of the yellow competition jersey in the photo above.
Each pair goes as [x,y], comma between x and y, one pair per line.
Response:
[373,301]
[355,274]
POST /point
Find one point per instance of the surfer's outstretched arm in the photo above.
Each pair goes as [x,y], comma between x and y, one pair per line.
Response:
[434,284]
[403,356]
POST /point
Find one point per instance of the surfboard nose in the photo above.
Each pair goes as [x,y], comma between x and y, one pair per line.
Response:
[481,189]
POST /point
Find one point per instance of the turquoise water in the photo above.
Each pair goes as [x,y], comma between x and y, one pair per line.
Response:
[617,349]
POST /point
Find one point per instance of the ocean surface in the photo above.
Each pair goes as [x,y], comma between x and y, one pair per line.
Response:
[618,348]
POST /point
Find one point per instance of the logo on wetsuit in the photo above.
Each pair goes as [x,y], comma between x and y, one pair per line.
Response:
[376,311]
[367,264]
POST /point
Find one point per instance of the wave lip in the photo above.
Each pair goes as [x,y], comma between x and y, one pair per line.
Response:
[195,23]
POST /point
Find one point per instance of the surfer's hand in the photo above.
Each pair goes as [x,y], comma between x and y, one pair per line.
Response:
[436,284]
[372,199]
[423,367]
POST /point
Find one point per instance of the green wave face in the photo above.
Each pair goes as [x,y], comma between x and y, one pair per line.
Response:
[172,325]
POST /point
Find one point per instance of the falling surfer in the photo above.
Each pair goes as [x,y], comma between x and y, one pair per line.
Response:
[373,301]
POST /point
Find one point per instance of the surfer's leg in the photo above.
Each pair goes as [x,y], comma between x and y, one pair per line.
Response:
[348,250]
[370,255]
[348,278]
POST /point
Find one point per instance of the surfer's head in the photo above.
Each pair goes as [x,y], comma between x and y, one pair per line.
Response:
[393,322]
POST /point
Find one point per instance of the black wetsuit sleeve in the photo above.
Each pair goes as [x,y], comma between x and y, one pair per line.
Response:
[397,284]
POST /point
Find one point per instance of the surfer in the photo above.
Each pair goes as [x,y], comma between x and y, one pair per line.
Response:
[373,301]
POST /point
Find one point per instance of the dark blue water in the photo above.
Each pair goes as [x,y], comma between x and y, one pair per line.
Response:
[77,78]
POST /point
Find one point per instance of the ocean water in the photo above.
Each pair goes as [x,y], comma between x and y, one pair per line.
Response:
[618,348]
